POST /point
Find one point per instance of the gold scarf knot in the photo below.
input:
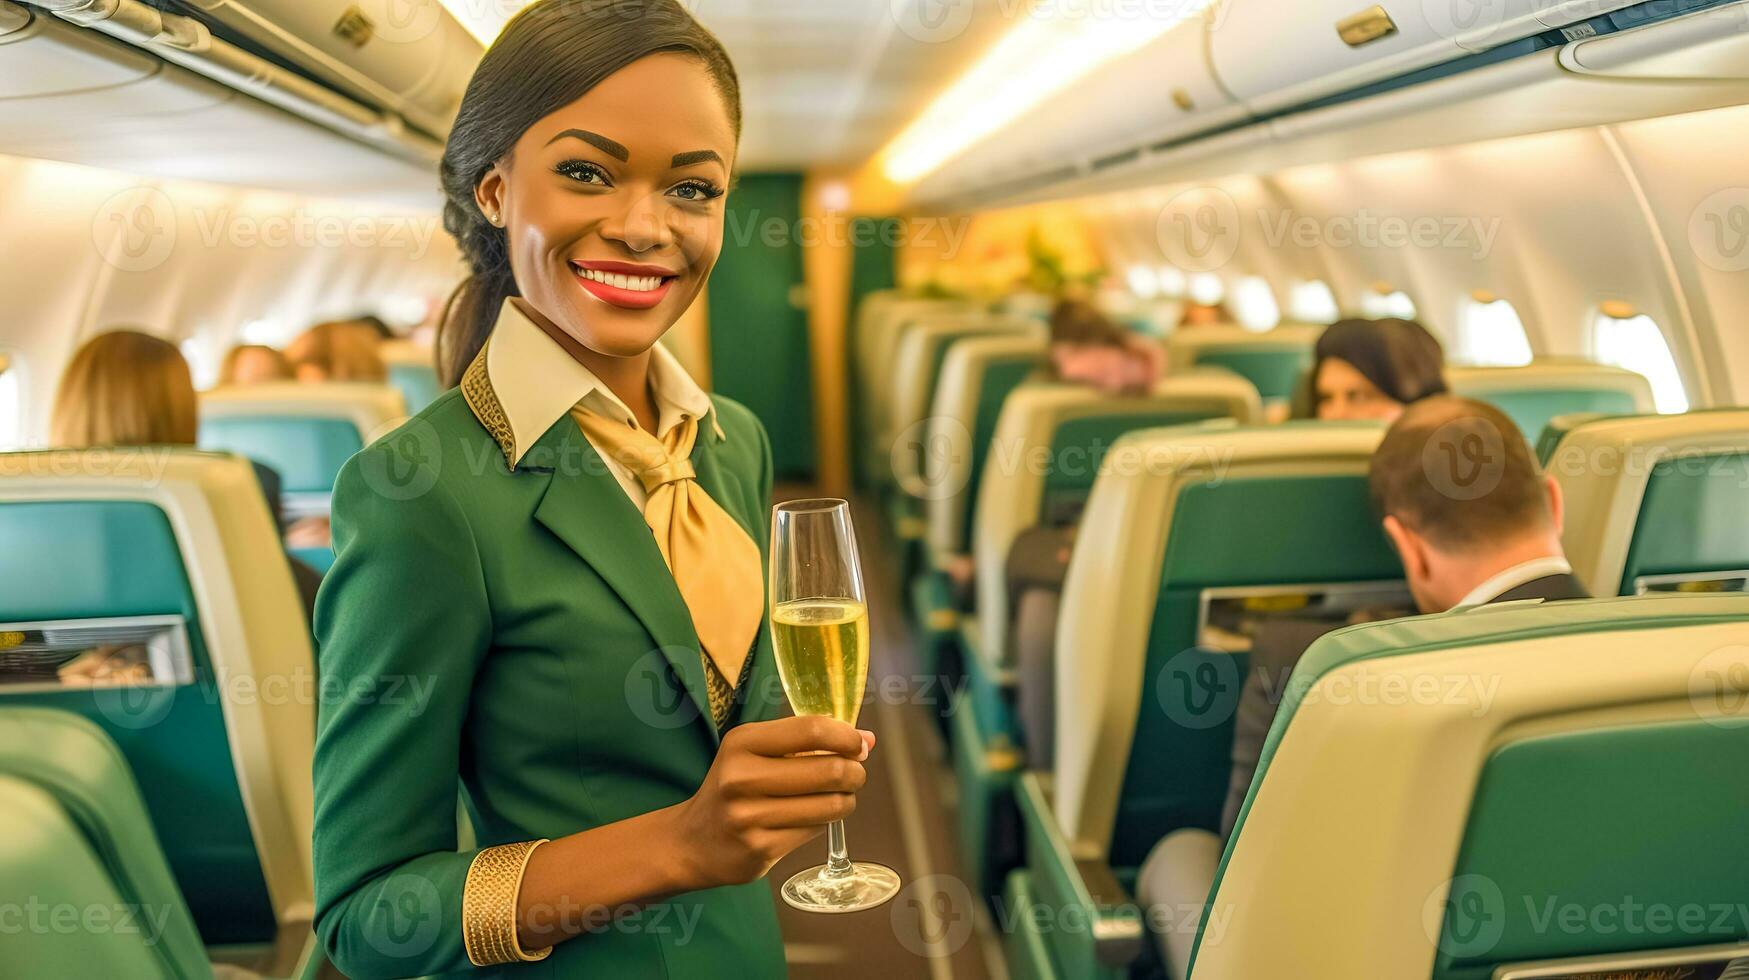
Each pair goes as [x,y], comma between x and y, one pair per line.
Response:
[666,472]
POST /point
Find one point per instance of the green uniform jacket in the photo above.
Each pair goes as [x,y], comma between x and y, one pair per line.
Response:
[519,631]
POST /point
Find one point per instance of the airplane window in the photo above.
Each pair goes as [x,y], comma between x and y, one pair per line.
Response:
[1311,301]
[1143,281]
[1492,335]
[1376,304]
[11,405]
[1635,342]
[203,365]
[1206,288]
[261,331]
[1254,304]
[1172,284]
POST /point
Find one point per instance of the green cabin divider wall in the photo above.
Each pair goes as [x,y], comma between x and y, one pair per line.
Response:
[759,346]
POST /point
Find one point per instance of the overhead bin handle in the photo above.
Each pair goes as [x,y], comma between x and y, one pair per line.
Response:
[1677,38]
[1366,27]
[13,18]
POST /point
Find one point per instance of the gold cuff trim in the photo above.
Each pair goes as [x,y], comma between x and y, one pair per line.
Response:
[489,905]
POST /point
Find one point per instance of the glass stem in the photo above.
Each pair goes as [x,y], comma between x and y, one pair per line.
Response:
[838,856]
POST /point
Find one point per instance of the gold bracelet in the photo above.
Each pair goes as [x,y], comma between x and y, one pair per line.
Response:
[489,905]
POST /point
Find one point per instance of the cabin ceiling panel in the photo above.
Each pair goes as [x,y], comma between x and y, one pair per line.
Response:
[849,73]
[1548,222]
[1335,211]
[190,261]
[1691,170]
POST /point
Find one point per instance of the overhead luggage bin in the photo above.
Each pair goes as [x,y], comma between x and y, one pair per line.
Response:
[413,59]
[1274,57]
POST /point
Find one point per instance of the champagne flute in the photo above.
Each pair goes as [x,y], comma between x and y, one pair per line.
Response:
[819,628]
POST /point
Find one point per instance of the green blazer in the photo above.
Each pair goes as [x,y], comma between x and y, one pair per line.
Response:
[518,631]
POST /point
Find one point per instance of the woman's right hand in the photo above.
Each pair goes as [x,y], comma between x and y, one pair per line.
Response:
[774,786]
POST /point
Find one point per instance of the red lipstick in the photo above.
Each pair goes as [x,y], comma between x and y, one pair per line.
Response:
[628,285]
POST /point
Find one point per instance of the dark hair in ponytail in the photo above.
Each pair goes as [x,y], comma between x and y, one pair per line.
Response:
[549,55]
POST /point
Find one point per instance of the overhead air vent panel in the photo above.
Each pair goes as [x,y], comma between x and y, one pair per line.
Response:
[71,66]
[410,57]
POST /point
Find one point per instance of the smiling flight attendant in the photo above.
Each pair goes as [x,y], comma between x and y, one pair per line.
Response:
[549,585]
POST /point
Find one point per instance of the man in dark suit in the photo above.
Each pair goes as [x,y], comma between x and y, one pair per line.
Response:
[1474,520]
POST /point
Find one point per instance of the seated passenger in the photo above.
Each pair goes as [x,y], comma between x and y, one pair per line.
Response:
[1203,315]
[127,388]
[1088,348]
[376,325]
[340,350]
[1462,542]
[1372,369]
[250,364]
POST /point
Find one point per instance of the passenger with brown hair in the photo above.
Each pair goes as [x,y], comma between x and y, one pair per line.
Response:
[1472,517]
[1203,315]
[339,350]
[249,364]
[127,388]
[1088,348]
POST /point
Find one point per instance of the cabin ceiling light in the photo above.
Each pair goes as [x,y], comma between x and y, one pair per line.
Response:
[1051,47]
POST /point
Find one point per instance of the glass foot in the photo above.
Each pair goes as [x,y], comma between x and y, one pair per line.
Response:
[864,886]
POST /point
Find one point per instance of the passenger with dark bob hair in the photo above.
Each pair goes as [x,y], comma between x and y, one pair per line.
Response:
[549,585]
[1373,369]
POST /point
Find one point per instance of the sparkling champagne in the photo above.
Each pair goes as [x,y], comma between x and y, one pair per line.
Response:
[822,655]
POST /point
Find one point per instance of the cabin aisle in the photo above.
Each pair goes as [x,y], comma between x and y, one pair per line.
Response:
[934,928]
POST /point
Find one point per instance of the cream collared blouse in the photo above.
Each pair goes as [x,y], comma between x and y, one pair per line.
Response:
[537,383]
